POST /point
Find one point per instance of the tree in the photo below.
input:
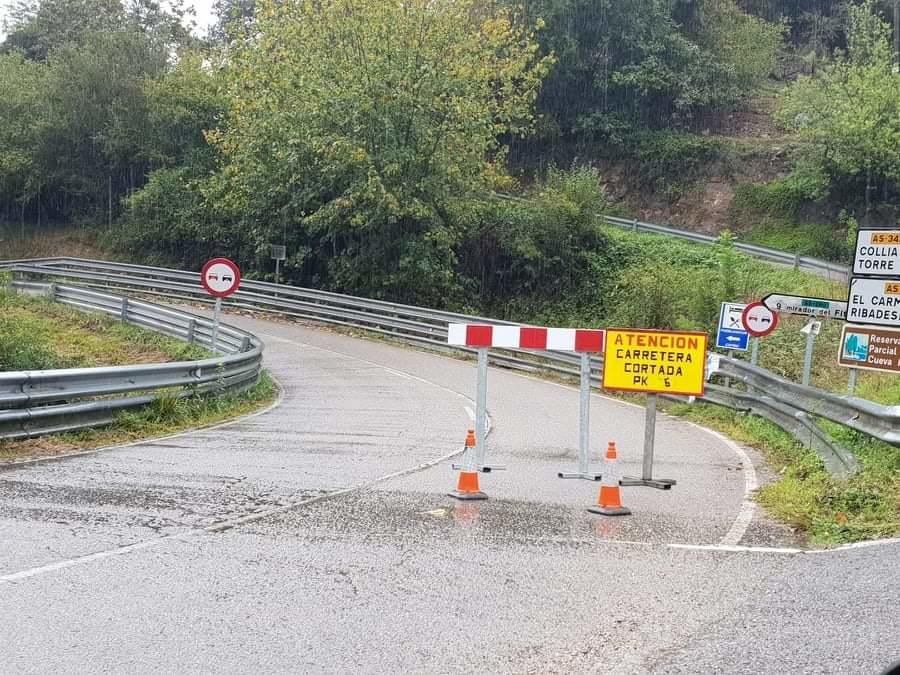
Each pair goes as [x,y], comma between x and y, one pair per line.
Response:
[850,113]
[21,109]
[645,61]
[360,121]
[233,20]
[86,61]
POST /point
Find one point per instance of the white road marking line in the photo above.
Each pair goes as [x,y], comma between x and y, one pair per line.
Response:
[217,527]
[858,544]
[259,515]
[737,549]
[745,514]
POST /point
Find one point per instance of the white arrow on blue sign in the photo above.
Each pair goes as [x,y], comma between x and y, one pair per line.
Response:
[731,334]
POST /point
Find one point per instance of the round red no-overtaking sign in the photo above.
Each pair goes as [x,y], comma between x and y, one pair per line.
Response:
[220,277]
[759,320]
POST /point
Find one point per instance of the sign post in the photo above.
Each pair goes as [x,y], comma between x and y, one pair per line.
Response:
[654,362]
[279,253]
[220,278]
[877,253]
[811,330]
[754,352]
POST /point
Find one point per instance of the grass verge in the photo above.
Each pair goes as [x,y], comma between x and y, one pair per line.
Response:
[829,511]
[166,416]
[38,334]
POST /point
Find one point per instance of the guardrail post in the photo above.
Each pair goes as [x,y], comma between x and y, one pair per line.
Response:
[51,292]
[796,261]
[191,330]
[634,224]
[245,344]
[123,313]
[647,479]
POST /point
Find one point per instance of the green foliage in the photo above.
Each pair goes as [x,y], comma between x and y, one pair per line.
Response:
[666,159]
[669,291]
[783,197]
[74,112]
[183,102]
[649,61]
[22,346]
[354,131]
[849,115]
[539,249]
[170,221]
[37,334]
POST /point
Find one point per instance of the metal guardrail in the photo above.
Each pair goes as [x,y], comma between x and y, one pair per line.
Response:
[823,268]
[39,402]
[791,406]
[816,266]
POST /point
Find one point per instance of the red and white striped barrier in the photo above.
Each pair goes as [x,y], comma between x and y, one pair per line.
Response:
[525,337]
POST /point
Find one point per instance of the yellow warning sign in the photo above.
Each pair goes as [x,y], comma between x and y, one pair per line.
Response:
[655,362]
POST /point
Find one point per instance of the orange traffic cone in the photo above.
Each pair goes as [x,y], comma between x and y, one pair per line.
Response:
[467,487]
[609,502]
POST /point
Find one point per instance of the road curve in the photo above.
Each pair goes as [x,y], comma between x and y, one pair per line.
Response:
[247,548]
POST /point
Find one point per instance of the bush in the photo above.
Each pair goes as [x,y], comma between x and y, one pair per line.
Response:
[783,197]
[537,249]
[668,162]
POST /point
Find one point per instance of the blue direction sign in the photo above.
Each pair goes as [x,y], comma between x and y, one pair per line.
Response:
[731,333]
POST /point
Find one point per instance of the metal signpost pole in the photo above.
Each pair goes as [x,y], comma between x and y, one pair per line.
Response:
[481,408]
[277,264]
[647,479]
[584,425]
[807,357]
[754,352]
[215,328]
[649,437]
[851,384]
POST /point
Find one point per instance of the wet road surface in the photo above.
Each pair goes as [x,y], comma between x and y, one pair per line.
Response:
[246,548]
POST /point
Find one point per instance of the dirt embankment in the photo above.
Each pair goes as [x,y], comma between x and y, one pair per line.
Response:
[754,151]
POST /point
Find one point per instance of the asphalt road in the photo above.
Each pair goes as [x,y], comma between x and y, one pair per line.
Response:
[317,538]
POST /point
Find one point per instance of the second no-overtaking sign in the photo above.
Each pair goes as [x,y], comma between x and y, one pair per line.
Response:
[654,362]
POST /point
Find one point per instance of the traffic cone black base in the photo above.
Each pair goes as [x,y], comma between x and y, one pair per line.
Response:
[610,510]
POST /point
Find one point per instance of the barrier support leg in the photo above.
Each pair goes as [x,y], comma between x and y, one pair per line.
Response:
[584,426]
[647,479]
[481,430]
